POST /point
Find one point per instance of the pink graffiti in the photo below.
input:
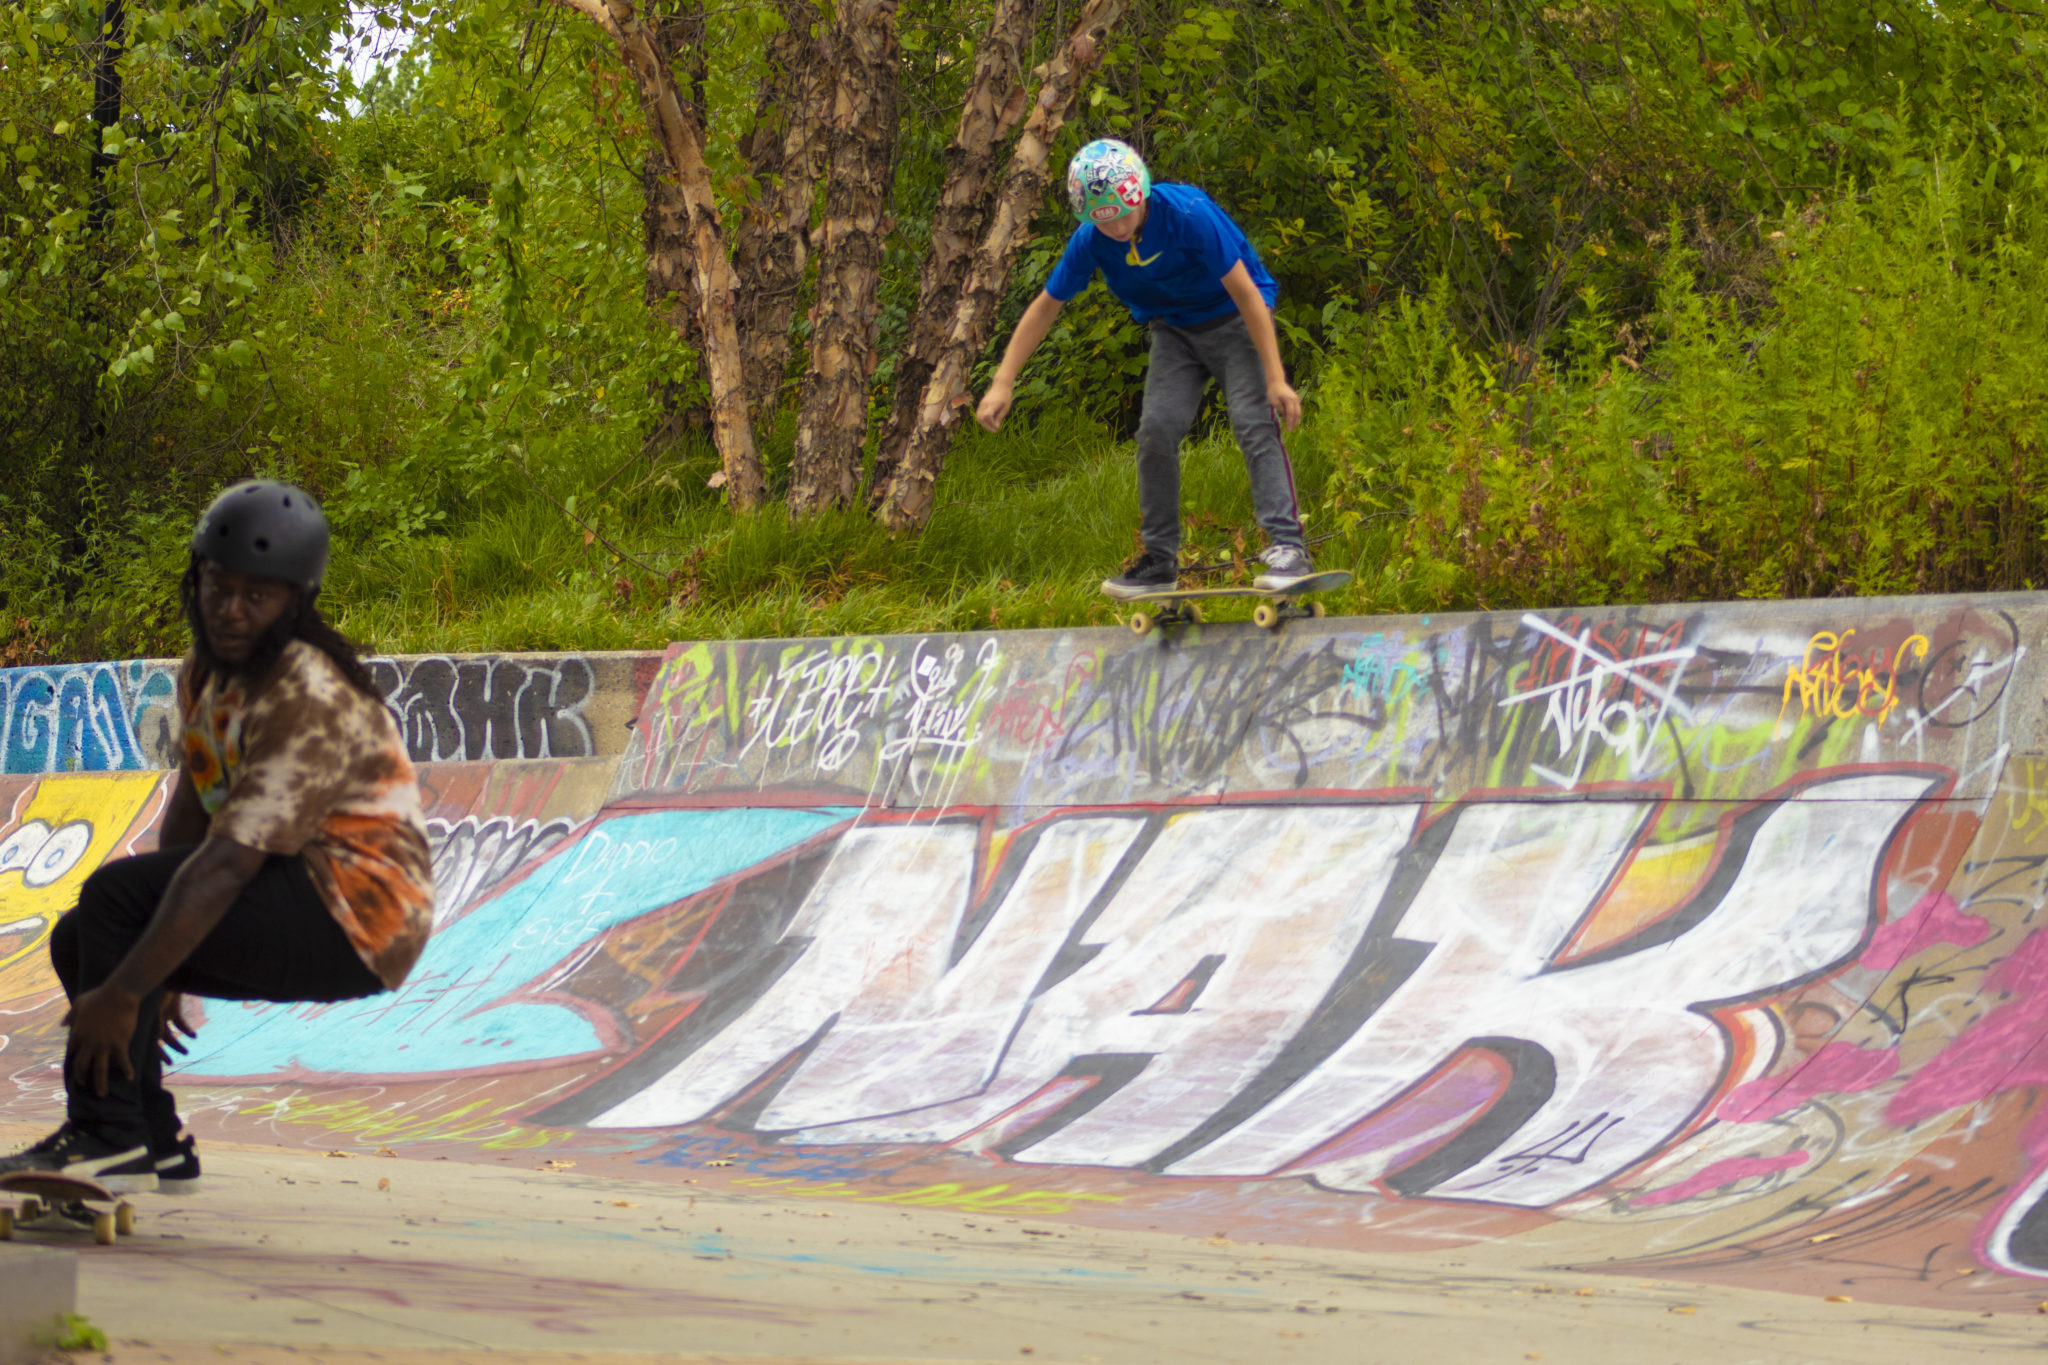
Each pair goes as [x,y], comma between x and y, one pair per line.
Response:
[1837,1069]
[1023,717]
[1935,919]
[1715,1176]
[1997,1053]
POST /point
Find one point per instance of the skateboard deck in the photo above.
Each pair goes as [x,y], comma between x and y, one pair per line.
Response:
[51,1201]
[1183,604]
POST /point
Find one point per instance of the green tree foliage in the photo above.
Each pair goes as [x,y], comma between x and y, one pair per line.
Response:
[130,253]
[1759,317]
[1573,288]
[1878,428]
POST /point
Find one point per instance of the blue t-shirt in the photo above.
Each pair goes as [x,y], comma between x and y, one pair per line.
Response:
[1174,270]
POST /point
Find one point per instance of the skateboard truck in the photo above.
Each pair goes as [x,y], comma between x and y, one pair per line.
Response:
[53,1201]
[1172,614]
[1268,615]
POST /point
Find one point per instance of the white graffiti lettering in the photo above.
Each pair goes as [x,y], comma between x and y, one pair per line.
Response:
[822,698]
[1199,1001]
[1622,703]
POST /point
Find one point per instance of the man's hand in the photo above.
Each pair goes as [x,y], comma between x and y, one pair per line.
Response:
[171,1022]
[102,1021]
[1286,404]
[995,405]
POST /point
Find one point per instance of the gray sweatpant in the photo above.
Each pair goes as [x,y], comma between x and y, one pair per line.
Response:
[1183,362]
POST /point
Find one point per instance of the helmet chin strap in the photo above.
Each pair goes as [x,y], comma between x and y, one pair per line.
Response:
[1131,250]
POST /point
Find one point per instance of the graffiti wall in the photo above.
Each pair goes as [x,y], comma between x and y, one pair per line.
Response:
[1701,940]
[117,717]
[91,718]
[482,706]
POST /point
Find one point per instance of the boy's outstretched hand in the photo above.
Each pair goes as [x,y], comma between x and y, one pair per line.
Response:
[1286,404]
[995,405]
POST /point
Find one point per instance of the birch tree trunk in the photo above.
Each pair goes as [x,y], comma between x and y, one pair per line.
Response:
[906,503]
[995,103]
[784,154]
[670,286]
[832,421]
[681,139]
[670,283]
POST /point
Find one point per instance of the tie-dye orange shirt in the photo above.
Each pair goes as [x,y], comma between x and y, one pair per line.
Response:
[304,764]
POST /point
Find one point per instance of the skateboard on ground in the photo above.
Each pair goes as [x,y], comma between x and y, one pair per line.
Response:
[1182,604]
[54,1202]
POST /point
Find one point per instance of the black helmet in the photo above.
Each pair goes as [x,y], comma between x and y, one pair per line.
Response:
[268,528]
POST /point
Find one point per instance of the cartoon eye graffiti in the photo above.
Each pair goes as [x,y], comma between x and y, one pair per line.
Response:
[43,855]
[18,848]
[60,854]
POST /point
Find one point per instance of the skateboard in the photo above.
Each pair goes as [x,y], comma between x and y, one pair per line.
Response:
[50,1201]
[1181,605]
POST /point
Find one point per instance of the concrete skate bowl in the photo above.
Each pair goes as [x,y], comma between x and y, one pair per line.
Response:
[1699,943]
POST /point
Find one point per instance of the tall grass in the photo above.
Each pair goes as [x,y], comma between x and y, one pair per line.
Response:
[1030,521]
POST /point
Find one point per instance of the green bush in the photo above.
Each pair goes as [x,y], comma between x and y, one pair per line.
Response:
[1877,428]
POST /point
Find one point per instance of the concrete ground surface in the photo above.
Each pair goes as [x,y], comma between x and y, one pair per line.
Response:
[293,1256]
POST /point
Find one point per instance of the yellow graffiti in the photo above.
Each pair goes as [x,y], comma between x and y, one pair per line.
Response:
[2030,803]
[476,1122]
[678,700]
[987,1199]
[1834,684]
[69,826]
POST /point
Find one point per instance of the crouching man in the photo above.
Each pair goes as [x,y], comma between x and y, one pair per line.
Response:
[293,860]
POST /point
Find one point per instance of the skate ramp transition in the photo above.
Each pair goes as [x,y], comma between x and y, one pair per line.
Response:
[1698,942]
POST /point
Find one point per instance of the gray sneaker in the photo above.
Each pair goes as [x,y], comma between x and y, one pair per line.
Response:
[1286,565]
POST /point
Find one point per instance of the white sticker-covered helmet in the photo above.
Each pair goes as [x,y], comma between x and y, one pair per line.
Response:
[1106,180]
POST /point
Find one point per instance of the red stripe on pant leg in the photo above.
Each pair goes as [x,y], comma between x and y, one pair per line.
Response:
[1287,463]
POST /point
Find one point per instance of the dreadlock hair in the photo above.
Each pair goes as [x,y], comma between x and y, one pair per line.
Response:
[299,621]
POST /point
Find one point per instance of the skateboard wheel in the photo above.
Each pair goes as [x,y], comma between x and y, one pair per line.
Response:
[1193,613]
[1265,616]
[1315,609]
[31,1209]
[103,1229]
[6,1225]
[124,1219]
[1141,623]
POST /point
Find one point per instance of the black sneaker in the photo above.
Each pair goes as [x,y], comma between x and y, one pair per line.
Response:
[177,1164]
[1152,571]
[71,1151]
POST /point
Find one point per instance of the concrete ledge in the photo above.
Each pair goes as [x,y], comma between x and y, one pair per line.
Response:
[37,1284]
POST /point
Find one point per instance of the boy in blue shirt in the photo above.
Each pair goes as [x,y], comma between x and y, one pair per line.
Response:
[1180,264]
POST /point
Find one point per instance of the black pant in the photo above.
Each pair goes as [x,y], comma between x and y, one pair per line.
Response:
[278,941]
